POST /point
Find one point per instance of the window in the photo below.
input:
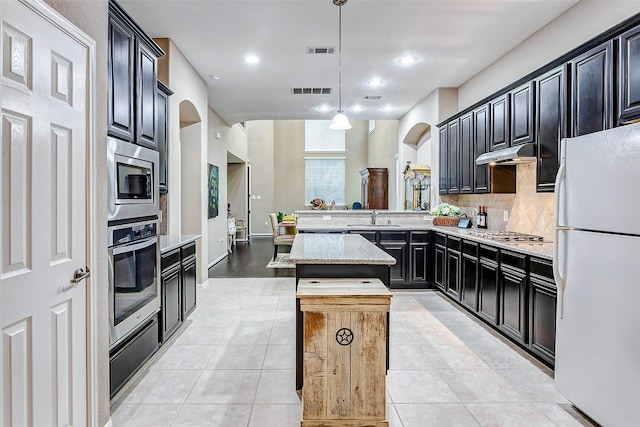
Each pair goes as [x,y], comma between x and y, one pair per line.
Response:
[318,138]
[324,178]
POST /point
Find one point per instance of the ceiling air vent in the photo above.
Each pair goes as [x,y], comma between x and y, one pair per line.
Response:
[372,97]
[320,50]
[311,90]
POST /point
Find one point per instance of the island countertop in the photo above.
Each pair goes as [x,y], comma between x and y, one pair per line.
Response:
[337,249]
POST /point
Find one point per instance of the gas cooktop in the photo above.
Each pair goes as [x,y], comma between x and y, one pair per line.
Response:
[505,236]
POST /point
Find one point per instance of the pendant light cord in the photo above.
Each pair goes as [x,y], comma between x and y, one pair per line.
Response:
[340,57]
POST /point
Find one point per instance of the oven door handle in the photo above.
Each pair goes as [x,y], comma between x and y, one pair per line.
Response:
[130,247]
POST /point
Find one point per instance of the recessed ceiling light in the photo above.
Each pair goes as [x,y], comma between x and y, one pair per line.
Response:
[251,59]
[324,108]
[388,108]
[375,82]
[357,108]
[215,76]
[407,60]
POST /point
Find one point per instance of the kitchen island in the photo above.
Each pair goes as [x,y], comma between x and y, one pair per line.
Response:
[335,256]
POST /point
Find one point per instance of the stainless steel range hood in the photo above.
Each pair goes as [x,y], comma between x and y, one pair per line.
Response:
[525,153]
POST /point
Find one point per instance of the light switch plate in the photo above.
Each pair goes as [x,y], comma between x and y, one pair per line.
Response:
[326,217]
[505,216]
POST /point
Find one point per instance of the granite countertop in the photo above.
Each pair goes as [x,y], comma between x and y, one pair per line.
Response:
[337,249]
[172,241]
[538,249]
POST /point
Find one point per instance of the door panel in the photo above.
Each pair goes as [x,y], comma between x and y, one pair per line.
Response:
[43,218]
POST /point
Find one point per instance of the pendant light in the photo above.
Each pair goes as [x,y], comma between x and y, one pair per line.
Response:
[340,120]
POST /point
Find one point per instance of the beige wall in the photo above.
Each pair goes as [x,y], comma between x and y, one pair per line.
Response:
[577,25]
[217,155]
[188,87]
[92,18]
[261,159]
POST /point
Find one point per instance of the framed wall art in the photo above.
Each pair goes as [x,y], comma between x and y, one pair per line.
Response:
[214,188]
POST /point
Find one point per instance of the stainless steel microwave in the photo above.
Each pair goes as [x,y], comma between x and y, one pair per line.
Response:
[133,186]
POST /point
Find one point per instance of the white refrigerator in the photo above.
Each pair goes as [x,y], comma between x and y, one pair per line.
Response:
[597,270]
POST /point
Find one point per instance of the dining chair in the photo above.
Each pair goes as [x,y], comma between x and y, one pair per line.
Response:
[279,239]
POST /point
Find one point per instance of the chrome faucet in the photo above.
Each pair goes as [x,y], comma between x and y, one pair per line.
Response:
[374,213]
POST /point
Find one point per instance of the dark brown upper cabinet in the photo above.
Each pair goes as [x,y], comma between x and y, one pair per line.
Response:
[481,142]
[443,165]
[592,90]
[162,110]
[147,80]
[121,75]
[629,76]
[467,159]
[132,62]
[499,119]
[453,158]
[522,114]
[551,113]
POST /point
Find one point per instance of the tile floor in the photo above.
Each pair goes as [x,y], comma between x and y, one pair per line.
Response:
[232,364]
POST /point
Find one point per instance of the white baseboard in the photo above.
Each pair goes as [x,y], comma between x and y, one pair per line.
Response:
[217,260]
[109,423]
[261,234]
[203,285]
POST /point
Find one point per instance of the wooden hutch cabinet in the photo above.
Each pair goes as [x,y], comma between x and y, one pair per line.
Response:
[375,188]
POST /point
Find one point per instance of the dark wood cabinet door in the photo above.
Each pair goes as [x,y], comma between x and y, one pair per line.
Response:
[398,270]
[188,286]
[162,109]
[469,275]
[453,158]
[499,119]
[591,90]
[146,89]
[452,283]
[629,76]
[375,188]
[542,318]
[419,263]
[480,141]
[467,159]
[120,119]
[522,114]
[512,319]
[551,113]
[439,266]
[171,309]
[443,162]
[488,291]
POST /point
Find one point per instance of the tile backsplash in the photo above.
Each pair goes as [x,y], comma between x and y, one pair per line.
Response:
[529,212]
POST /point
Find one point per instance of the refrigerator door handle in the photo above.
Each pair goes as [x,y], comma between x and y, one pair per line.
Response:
[560,177]
[560,280]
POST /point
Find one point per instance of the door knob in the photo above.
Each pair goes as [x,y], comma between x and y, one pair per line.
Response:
[78,276]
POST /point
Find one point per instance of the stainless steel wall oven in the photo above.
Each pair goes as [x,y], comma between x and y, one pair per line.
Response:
[134,294]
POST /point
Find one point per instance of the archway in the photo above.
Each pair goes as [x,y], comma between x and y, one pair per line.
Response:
[415,147]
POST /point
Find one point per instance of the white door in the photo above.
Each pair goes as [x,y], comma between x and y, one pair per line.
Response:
[45,124]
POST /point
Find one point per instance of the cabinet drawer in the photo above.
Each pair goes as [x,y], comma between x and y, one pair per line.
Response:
[541,267]
[489,252]
[454,243]
[420,237]
[514,260]
[189,250]
[393,236]
[470,248]
[169,259]
[440,239]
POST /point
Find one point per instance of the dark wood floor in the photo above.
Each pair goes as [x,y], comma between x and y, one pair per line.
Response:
[250,260]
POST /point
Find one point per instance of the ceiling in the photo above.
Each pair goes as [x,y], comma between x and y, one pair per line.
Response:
[451,40]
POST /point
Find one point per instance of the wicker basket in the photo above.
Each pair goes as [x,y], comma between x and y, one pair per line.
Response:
[448,221]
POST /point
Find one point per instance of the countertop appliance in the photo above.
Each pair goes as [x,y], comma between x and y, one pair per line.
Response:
[596,248]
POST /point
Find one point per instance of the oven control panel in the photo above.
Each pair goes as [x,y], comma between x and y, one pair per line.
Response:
[131,233]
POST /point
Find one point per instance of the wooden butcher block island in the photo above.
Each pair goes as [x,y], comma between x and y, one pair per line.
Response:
[345,352]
